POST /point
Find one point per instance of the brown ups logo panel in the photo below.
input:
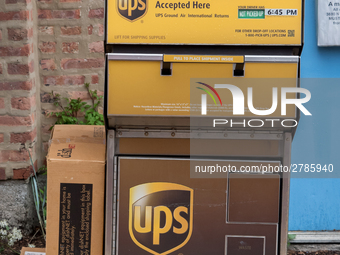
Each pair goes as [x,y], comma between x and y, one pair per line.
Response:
[132,10]
[160,216]
[162,211]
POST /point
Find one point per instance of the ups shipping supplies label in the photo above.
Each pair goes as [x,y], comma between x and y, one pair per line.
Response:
[75,219]
[246,22]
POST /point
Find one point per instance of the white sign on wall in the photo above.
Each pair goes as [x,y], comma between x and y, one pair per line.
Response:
[328,22]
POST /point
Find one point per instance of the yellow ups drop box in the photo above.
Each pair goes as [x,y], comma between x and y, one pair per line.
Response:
[201,106]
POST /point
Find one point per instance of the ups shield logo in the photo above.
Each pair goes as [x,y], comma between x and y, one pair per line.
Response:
[160,216]
[132,9]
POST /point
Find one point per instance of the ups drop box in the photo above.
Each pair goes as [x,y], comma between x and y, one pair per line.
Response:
[75,190]
[186,81]
[33,251]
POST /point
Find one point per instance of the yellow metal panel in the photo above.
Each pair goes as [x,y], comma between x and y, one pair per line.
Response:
[222,22]
[137,87]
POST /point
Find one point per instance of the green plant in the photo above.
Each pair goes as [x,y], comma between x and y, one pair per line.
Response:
[39,196]
[43,197]
[92,116]
[69,113]
[290,237]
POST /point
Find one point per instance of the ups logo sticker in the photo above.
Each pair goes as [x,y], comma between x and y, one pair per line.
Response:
[160,216]
[132,9]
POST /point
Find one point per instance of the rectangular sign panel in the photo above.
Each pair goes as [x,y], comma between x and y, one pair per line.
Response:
[328,23]
[204,22]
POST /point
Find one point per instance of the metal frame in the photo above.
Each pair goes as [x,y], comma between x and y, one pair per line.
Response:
[285,194]
[110,193]
[187,134]
[187,122]
[135,57]
[275,59]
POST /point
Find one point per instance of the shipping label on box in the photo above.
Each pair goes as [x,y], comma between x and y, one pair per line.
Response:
[33,251]
[75,217]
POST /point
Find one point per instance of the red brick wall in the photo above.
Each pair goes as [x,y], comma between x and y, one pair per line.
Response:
[71,51]
[45,46]
[18,88]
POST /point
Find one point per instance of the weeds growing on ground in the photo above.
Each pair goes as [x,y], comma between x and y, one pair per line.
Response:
[8,236]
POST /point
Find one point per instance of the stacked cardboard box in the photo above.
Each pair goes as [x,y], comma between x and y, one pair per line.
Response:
[75,190]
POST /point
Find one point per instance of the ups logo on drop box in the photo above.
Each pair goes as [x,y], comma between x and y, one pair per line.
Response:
[160,216]
[132,9]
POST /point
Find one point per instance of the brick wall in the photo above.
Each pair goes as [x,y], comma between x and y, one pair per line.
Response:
[18,89]
[71,51]
[45,46]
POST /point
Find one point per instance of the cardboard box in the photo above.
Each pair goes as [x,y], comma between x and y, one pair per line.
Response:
[75,190]
[32,251]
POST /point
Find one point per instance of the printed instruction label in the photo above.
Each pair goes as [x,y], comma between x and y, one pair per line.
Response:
[203,59]
[75,219]
[34,253]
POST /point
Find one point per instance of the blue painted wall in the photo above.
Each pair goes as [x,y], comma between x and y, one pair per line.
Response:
[315,202]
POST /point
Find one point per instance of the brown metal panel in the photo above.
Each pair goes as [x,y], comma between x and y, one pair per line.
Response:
[209,227]
[254,198]
[235,147]
[172,146]
[154,146]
